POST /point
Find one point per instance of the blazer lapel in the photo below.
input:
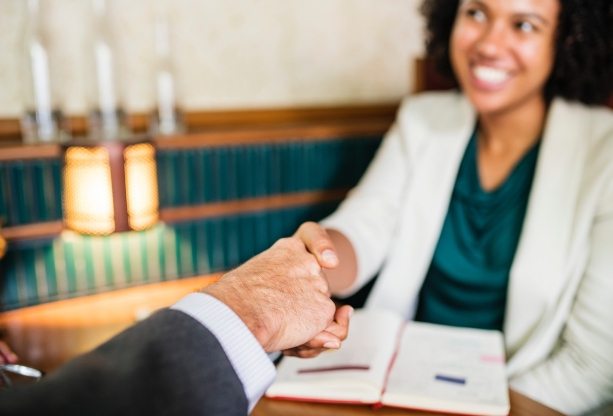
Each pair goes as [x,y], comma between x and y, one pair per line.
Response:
[437,162]
[432,189]
[538,269]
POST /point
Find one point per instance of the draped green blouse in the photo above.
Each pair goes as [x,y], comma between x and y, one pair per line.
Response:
[466,284]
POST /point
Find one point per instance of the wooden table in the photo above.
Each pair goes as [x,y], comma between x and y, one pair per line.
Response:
[520,406]
[46,336]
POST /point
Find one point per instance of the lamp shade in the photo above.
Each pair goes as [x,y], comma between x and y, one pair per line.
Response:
[110,186]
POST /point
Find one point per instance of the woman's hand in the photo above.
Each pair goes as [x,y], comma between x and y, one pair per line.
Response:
[334,253]
[323,244]
[318,243]
[326,339]
[7,356]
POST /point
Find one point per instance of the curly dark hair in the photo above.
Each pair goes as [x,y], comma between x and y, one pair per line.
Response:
[583,67]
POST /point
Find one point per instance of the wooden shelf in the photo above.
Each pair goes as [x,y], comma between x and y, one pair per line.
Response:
[193,212]
[232,128]
[311,132]
[32,231]
[198,121]
[248,127]
[17,151]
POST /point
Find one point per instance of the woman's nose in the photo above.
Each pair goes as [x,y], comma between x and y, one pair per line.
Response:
[493,41]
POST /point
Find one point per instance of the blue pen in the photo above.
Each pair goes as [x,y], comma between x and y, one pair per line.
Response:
[449,379]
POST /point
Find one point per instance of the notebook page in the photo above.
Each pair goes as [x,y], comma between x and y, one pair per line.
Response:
[449,369]
[356,372]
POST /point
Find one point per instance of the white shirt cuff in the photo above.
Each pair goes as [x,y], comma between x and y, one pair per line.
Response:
[250,361]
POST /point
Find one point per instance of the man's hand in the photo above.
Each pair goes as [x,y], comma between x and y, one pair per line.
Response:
[282,297]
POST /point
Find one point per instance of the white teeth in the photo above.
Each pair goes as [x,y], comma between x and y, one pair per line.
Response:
[490,75]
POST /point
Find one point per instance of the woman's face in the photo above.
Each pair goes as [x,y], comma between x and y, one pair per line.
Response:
[502,51]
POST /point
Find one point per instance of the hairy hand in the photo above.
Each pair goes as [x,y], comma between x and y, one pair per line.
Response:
[280,294]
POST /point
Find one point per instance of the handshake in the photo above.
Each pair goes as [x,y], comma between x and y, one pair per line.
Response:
[197,357]
[283,297]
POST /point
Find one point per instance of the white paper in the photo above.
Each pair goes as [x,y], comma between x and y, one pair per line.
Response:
[447,368]
[370,345]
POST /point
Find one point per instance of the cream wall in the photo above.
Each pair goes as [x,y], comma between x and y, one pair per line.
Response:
[230,53]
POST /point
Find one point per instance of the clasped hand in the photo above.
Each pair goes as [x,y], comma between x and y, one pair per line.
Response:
[282,296]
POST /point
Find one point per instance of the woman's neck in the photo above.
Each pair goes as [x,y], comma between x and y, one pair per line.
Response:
[513,131]
[504,138]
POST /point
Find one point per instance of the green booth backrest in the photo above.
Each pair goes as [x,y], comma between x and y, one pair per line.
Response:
[71,265]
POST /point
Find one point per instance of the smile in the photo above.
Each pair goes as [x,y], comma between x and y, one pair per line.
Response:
[490,75]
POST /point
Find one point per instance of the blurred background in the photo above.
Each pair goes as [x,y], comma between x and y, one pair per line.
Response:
[227,53]
[284,103]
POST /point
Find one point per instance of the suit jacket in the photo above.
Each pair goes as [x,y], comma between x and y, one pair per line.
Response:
[558,324]
[169,364]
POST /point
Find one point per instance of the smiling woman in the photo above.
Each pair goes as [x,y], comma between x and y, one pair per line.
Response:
[502,53]
[581,43]
[492,207]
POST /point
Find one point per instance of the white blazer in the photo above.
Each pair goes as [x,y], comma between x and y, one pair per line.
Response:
[558,325]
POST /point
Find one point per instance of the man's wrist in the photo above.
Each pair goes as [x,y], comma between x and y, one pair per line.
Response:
[251,364]
[239,306]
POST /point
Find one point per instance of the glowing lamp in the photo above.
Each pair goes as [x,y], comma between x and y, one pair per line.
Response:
[110,186]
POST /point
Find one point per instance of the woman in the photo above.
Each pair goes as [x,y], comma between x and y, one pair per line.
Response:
[493,207]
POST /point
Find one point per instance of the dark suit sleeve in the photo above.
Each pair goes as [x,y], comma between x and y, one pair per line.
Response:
[169,364]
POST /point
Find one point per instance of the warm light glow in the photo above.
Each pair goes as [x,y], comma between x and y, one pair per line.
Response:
[141,186]
[88,198]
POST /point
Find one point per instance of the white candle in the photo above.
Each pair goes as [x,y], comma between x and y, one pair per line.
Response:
[166,102]
[106,86]
[42,91]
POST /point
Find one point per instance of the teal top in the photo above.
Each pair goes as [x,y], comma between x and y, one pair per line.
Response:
[466,284]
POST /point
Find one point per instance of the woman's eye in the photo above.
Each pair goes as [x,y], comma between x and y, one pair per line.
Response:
[525,27]
[476,14]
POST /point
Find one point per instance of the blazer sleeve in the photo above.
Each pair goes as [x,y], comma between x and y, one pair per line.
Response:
[578,374]
[368,216]
[167,364]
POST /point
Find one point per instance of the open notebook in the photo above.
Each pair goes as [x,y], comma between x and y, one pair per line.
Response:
[386,361]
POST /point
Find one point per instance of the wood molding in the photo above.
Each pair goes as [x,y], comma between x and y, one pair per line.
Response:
[187,213]
[280,116]
[32,231]
[219,128]
[224,119]
[10,128]
[312,132]
[28,152]
[254,135]
[427,77]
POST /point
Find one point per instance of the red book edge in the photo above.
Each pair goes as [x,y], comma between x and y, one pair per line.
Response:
[313,400]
